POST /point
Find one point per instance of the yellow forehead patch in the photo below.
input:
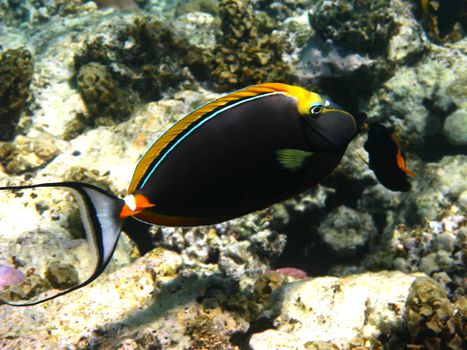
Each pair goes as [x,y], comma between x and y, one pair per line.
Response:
[305,99]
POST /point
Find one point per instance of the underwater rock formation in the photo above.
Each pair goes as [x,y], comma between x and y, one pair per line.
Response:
[335,312]
[24,154]
[355,39]
[427,93]
[16,68]
[346,231]
[440,190]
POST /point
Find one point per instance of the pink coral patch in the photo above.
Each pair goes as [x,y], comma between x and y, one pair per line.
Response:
[292,272]
[9,276]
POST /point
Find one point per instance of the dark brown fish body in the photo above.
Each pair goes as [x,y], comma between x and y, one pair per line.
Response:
[385,158]
[229,167]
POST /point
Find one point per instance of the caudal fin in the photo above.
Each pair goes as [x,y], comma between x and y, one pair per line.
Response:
[99,212]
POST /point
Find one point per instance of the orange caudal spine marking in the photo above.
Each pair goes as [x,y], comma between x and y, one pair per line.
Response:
[134,204]
[158,147]
[401,163]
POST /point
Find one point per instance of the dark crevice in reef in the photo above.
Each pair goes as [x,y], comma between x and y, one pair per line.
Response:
[435,146]
[305,249]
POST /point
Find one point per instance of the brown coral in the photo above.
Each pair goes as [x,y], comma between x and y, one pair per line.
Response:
[433,321]
[243,55]
[16,68]
[103,96]
[145,56]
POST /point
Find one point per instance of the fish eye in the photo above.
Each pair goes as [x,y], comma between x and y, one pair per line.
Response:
[316,109]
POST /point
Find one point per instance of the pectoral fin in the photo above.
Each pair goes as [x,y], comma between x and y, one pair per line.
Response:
[292,159]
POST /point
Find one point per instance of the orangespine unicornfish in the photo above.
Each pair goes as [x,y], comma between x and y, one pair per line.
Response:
[386,159]
[237,154]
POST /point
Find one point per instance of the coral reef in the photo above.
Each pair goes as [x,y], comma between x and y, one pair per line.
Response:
[241,248]
[150,294]
[280,10]
[257,281]
[119,4]
[129,62]
[61,276]
[102,94]
[243,54]
[437,250]
[343,24]
[438,193]
[432,320]
[346,46]
[16,68]
[454,127]
[443,20]
[144,55]
[207,6]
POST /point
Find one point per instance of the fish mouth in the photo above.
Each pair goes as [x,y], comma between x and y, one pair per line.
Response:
[338,127]
[334,128]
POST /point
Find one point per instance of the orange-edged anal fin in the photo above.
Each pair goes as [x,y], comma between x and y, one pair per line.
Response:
[401,163]
[134,204]
[151,217]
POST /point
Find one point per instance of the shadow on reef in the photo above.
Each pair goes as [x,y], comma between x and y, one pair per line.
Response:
[436,146]
[182,297]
